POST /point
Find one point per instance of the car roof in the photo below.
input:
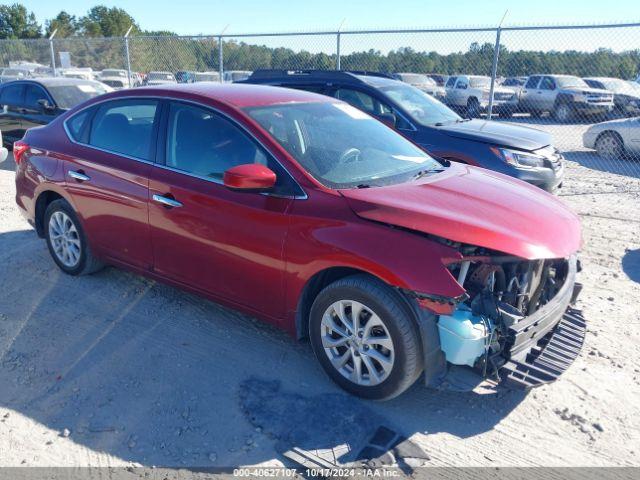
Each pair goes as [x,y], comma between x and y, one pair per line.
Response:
[54,81]
[295,77]
[237,95]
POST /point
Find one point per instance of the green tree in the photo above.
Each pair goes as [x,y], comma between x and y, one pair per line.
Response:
[101,21]
[65,24]
[17,22]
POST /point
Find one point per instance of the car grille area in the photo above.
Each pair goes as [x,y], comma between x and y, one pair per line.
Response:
[549,357]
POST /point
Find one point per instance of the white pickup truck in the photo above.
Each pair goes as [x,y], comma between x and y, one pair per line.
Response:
[470,93]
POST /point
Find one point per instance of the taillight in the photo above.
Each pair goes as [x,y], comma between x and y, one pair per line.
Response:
[19,148]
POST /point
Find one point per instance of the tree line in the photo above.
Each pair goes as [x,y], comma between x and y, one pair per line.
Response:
[95,40]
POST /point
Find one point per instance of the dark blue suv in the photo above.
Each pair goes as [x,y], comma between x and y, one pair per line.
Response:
[520,152]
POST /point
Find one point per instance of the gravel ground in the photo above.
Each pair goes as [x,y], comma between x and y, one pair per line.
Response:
[114,369]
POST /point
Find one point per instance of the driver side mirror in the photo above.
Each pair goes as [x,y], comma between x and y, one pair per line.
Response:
[250,177]
[389,119]
[45,106]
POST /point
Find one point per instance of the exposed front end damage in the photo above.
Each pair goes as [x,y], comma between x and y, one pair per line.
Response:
[514,325]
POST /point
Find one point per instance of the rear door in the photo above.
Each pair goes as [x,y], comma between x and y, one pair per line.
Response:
[107,176]
[226,243]
[11,102]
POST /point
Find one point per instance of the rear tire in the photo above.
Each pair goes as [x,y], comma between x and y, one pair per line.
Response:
[67,241]
[473,108]
[383,356]
[609,145]
[563,112]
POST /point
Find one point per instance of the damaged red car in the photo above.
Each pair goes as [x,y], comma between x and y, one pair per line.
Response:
[304,211]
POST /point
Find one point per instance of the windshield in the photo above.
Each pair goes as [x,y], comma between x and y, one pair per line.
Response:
[417,79]
[11,71]
[479,82]
[160,76]
[616,85]
[564,82]
[422,108]
[341,146]
[68,96]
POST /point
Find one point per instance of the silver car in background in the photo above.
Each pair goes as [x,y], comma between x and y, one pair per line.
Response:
[422,82]
[614,139]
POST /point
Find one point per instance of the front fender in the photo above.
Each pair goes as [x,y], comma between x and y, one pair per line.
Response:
[398,257]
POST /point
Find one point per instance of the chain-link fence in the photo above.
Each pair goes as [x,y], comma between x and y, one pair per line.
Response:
[577,83]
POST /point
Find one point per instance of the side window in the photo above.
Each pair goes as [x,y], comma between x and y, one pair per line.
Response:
[360,100]
[124,126]
[451,82]
[532,82]
[12,95]
[33,93]
[462,84]
[77,126]
[203,143]
[547,83]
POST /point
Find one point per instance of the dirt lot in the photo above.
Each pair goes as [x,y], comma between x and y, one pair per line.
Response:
[114,369]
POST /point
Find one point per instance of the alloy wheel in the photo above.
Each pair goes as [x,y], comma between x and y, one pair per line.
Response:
[357,342]
[609,146]
[65,239]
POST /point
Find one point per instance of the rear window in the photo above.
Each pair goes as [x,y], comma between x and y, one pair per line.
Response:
[77,125]
[12,95]
[532,82]
[68,96]
[124,126]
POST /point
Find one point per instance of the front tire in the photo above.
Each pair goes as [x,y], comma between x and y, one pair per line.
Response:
[67,241]
[365,337]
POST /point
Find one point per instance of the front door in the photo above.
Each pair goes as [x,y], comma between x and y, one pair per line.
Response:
[226,243]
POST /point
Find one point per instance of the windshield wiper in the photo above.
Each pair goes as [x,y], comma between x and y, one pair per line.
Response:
[424,173]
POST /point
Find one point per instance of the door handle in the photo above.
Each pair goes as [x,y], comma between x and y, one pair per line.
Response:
[166,201]
[79,175]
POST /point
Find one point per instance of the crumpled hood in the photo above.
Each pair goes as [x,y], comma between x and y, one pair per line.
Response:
[478,207]
[498,133]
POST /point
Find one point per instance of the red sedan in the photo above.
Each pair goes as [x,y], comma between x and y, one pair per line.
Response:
[306,212]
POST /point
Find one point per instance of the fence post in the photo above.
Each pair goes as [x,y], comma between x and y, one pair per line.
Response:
[53,52]
[494,72]
[338,51]
[220,59]
[128,58]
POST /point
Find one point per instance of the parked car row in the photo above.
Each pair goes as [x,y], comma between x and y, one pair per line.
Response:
[565,97]
[311,208]
[118,78]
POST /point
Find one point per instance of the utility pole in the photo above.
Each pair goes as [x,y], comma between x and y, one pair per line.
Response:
[494,66]
[53,53]
[126,50]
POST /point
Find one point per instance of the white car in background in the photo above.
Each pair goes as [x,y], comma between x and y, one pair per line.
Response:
[115,78]
[3,151]
[615,138]
[160,78]
[471,93]
[9,74]
[236,75]
[206,76]
[422,82]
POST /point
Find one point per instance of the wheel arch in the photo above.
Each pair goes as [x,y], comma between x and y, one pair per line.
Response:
[43,200]
[314,286]
[609,132]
